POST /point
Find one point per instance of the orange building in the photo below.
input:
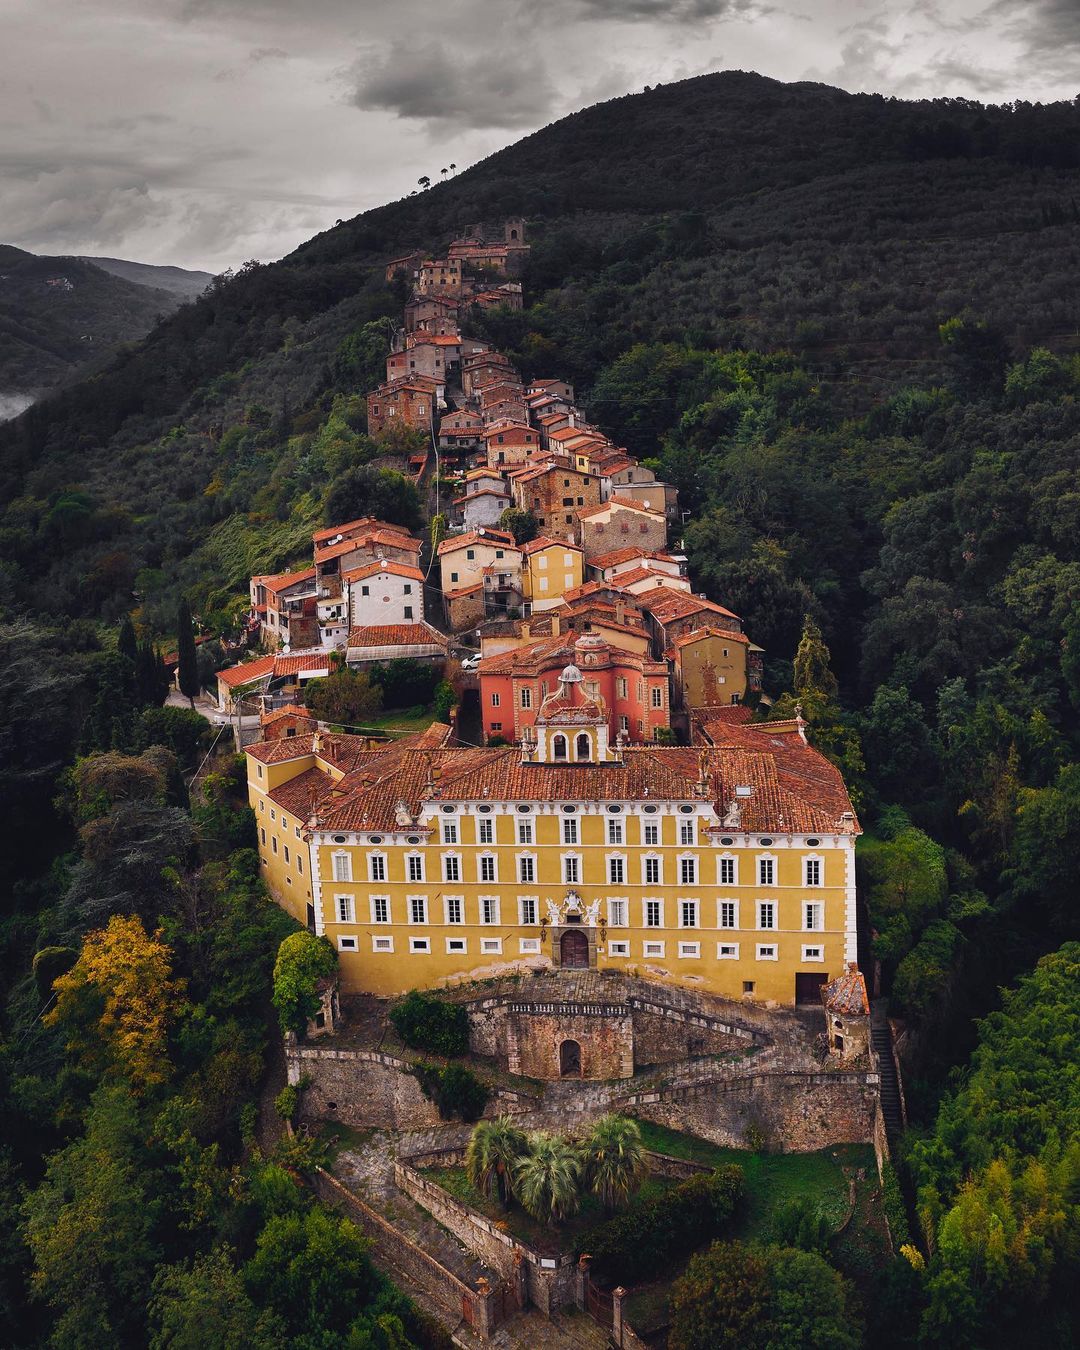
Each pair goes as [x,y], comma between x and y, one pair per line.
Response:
[631,690]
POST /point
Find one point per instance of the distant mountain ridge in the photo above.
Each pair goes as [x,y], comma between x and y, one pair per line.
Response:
[59,315]
[179,280]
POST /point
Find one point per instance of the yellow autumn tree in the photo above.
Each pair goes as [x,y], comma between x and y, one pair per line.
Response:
[119,1001]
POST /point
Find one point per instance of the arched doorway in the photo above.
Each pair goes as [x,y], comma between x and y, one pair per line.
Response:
[574,950]
[570,1060]
[584,748]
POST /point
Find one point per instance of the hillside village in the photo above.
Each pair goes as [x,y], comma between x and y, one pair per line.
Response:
[598,554]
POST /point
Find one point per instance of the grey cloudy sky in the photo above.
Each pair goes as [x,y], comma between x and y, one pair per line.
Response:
[204,132]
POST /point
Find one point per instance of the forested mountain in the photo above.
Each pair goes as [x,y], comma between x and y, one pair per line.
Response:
[180,280]
[845,327]
[59,314]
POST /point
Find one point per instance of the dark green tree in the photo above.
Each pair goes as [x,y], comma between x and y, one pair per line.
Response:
[187,664]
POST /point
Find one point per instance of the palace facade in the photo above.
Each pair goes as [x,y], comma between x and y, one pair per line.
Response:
[727,866]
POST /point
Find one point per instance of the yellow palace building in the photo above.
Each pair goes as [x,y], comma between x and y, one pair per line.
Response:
[727,866]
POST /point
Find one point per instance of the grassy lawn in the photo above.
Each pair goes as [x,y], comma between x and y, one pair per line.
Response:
[550,1241]
[400,719]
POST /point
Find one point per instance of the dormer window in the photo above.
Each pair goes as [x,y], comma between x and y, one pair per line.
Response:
[559,752]
[584,747]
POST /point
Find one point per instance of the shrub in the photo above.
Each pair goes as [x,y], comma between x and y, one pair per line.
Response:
[652,1233]
[49,964]
[303,961]
[432,1024]
[287,1101]
[456,1091]
[892,1199]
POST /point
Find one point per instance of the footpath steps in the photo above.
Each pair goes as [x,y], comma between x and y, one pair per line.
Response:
[891,1109]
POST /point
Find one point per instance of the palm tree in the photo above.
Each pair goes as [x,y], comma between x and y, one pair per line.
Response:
[453,167]
[444,172]
[614,1159]
[547,1180]
[494,1148]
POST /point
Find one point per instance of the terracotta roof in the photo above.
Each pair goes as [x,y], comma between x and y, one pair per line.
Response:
[364,522]
[393,568]
[553,651]
[250,670]
[635,574]
[847,993]
[299,795]
[396,635]
[621,555]
[369,542]
[543,541]
[502,493]
[289,710]
[283,580]
[289,664]
[667,604]
[496,538]
[696,634]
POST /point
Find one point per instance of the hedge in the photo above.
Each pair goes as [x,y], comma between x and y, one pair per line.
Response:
[455,1090]
[652,1233]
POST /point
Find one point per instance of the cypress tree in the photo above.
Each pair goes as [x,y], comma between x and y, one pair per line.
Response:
[127,644]
[188,668]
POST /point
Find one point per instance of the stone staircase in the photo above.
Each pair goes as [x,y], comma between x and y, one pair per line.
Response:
[891,1104]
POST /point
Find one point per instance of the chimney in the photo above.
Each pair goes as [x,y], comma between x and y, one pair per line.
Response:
[620,610]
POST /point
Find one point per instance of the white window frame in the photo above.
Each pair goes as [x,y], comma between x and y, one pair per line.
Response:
[767,951]
[456,946]
[447,859]
[485,825]
[377,868]
[382,944]
[762,859]
[341,865]
[523,919]
[344,909]
[615,831]
[618,909]
[654,947]
[491,946]
[815,953]
[687,832]
[417,903]
[493,905]
[658,696]
[526,868]
[529,946]
[646,902]
[727,858]
[450,832]
[620,947]
[493,860]
[727,927]
[416,859]
[616,862]
[526,697]
[813,916]
[658,880]
[571,862]
[727,951]
[810,862]
[419,946]
[373,901]
[692,879]
[571,830]
[766,927]
[683,902]
[646,827]
[525,833]
[347,942]
[459,901]
[689,951]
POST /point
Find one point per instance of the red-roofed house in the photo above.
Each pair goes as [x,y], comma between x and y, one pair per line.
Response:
[555,492]
[409,402]
[376,643]
[481,575]
[383,592]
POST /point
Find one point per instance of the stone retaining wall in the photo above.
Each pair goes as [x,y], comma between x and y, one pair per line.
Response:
[550,1282]
[397,1255]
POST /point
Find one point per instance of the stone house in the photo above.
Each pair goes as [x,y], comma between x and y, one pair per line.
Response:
[481,574]
[410,402]
[711,667]
[620,522]
[431,314]
[483,506]
[440,276]
[556,492]
[509,443]
[277,602]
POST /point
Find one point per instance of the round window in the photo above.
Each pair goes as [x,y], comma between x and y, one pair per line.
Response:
[687,810]
[813,843]
[727,841]
[449,810]
[413,839]
[649,810]
[484,810]
[339,838]
[614,810]
[569,810]
[764,842]
[375,839]
[524,809]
